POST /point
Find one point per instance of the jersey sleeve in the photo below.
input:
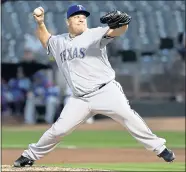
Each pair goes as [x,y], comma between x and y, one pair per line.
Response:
[101,39]
[52,45]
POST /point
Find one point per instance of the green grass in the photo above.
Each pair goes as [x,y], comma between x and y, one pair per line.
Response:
[12,138]
[97,139]
[129,166]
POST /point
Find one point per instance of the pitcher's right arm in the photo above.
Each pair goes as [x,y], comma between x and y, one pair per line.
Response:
[41,31]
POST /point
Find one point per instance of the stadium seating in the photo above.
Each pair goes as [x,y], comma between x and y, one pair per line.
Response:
[151,19]
[152,34]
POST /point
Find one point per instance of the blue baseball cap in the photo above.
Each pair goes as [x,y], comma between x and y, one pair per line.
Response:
[75,9]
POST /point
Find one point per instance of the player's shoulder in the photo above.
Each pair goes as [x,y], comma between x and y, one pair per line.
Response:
[97,28]
[59,36]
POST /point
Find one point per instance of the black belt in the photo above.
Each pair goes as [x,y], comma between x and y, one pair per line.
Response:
[102,86]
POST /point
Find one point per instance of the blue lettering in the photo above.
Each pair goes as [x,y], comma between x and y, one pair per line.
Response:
[82,52]
[70,54]
[64,55]
[75,53]
[61,55]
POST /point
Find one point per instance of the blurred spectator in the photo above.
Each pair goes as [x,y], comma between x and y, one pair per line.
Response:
[4,44]
[16,92]
[182,47]
[43,93]
[16,97]
[28,56]
[5,96]
[24,83]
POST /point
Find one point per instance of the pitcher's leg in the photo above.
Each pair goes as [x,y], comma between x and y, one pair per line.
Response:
[113,103]
[137,126]
[139,130]
[73,114]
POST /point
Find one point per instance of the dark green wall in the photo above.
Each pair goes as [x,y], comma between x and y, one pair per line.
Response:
[156,109]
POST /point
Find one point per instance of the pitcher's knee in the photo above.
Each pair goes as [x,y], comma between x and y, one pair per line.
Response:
[59,132]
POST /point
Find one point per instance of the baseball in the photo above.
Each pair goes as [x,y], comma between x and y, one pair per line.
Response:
[37,12]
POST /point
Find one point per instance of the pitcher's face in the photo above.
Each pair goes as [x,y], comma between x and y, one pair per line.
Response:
[77,23]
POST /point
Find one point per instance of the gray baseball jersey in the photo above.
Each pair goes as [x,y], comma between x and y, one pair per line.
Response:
[83,60]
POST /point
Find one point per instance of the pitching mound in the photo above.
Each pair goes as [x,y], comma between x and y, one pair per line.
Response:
[44,168]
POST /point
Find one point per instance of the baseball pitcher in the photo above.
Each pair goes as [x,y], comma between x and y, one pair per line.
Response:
[82,59]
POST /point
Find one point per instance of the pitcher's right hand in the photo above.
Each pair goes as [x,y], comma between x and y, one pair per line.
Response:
[39,18]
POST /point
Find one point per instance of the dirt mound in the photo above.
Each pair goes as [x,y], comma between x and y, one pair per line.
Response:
[44,168]
[116,155]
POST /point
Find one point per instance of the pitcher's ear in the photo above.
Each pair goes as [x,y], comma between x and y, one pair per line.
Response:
[67,22]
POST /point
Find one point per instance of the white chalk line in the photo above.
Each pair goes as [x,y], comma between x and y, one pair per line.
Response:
[23,146]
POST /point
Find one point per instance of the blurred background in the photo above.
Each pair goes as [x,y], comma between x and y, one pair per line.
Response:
[149,59]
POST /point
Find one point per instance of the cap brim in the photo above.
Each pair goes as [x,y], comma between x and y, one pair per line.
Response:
[86,13]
